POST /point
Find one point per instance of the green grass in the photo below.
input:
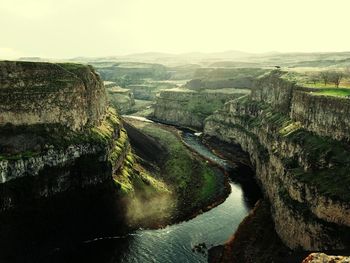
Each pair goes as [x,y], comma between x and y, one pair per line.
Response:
[209,185]
[72,66]
[191,177]
[342,92]
[328,85]
[132,178]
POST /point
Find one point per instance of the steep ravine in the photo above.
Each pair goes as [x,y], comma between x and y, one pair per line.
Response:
[66,166]
[68,171]
[304,175]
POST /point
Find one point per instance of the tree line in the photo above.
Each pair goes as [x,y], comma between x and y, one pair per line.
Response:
[328,76]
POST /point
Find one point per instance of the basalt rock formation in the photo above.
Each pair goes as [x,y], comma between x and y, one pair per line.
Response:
[297,142]
[41,93]
[57,134]
[120,98]
[190,108]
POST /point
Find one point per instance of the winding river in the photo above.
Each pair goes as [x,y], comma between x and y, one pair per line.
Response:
[175,243]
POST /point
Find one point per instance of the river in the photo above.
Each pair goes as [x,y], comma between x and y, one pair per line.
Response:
[175,243]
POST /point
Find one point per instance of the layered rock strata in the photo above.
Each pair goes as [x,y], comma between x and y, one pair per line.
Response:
[190,108]
[304,174]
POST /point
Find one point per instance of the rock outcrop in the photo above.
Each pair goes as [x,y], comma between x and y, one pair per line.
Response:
[120,98]
[40,93]
[324,115]
[303,174]
[57,135]
[190,108]
[323,258]
[143,91]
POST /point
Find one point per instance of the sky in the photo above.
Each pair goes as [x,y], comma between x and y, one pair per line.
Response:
[92,28]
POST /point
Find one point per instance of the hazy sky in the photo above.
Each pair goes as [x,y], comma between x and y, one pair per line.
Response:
[70,28]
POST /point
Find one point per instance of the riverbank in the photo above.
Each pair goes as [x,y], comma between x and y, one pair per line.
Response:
[255,240]
[176,242]
[196,185]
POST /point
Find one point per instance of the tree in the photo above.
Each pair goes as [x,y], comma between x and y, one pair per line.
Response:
[325,75]
[314,78]
[335,77]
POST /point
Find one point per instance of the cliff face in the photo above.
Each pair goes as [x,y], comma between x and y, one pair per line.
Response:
[40,93]
[57,135]
[190,108]
[121,99]
[324,115]
[304,175]
[57,164]
[143,92]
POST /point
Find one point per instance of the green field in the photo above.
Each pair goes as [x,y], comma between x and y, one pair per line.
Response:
[342,92]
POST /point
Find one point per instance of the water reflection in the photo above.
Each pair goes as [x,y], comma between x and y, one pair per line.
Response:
[90,229]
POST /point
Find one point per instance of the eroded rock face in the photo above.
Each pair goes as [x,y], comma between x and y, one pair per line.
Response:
[120,98]
[57,134]
[190,108]
[323,258]
[71,163]
[31,93]
[301,173]
[325,115]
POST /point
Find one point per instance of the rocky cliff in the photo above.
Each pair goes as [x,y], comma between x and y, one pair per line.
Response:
[324,115]
[40,93]
[120,98]
[304,175]
[190,108]
[57,134]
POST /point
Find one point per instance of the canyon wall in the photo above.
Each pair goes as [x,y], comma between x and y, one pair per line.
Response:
[57,135]
[120,98]
[190,108]
[40,93]
[303,174]
[324,115]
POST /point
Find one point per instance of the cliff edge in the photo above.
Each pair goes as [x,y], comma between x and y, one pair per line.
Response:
[298,144]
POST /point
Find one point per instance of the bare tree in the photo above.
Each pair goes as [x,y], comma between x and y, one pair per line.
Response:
[336,77]
[314,78]
[325,76]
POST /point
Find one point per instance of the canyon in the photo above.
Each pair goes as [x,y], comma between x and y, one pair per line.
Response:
[297,142]
[62,139]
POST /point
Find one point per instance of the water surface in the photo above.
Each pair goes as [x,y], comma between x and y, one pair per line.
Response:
[175,243]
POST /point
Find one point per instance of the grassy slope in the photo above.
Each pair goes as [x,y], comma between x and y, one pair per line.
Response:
[194,182]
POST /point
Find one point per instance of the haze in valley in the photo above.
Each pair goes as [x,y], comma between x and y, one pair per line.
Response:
[66,29]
